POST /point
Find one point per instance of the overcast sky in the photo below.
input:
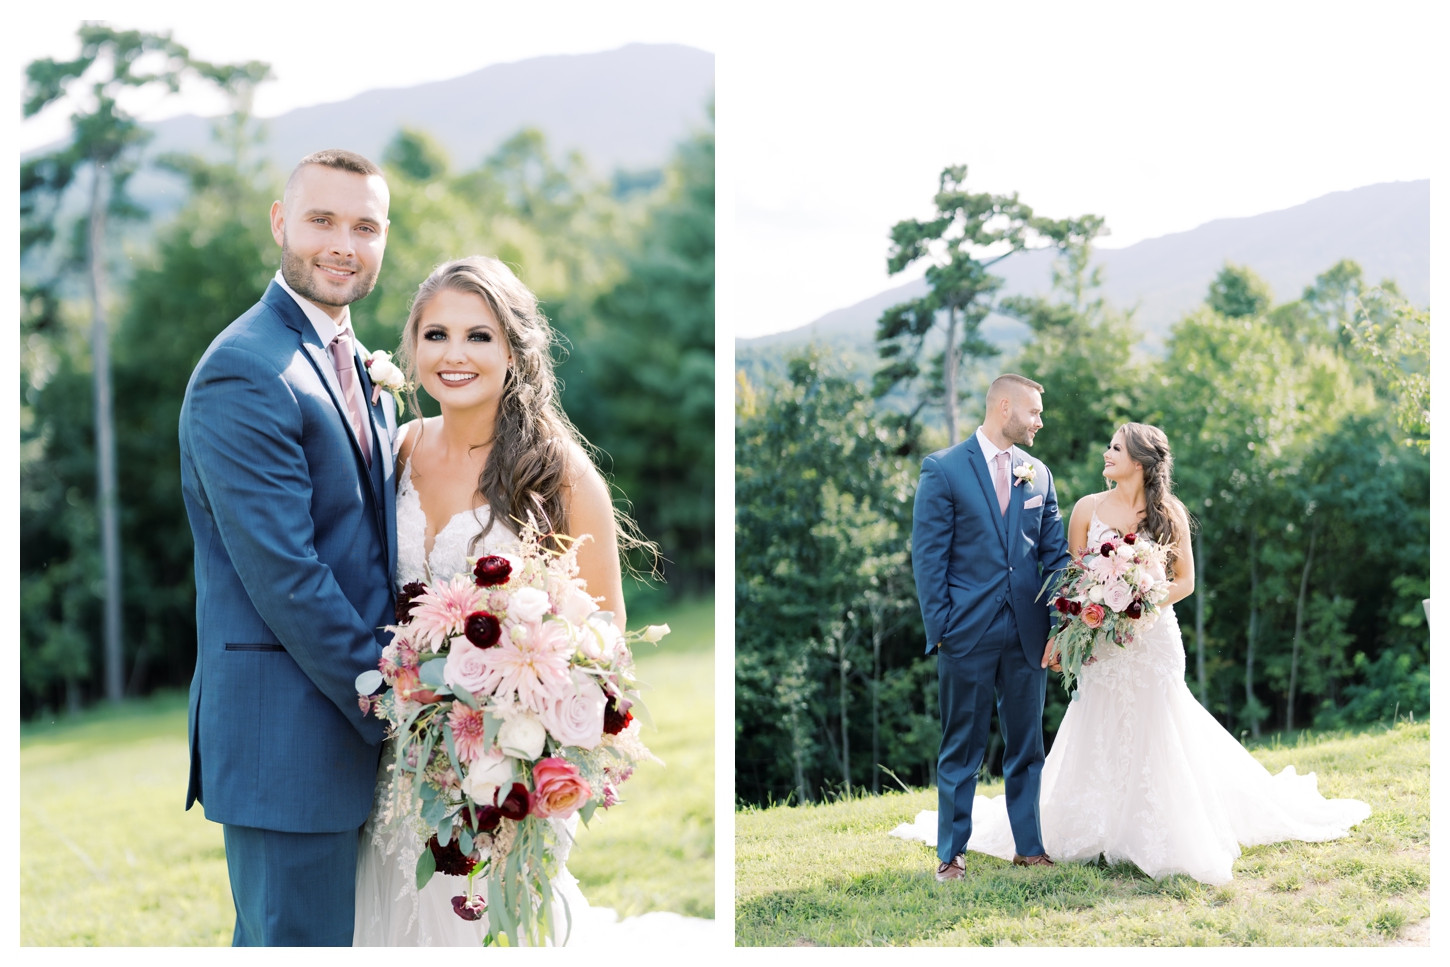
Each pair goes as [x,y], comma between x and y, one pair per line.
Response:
[834,125]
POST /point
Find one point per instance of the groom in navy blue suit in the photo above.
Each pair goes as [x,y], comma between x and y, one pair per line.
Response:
[985,535]
[287,475]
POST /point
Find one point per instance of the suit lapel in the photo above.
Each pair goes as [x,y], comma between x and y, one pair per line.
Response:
[321,360]
[989,490]
[1015,494]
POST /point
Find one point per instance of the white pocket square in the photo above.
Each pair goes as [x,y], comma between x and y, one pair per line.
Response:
[1034,502]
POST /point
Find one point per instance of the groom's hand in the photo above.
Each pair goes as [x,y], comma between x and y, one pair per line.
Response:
[1049,656]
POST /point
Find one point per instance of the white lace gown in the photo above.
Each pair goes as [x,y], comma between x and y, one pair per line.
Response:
[391,911]
[1140,771]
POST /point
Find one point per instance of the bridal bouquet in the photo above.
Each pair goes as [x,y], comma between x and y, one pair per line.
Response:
[1108,596]
[511,698]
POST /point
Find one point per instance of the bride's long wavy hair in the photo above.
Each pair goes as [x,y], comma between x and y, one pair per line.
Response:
[527,469]
[1162,512]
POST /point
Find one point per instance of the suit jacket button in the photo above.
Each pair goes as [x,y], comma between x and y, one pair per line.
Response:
[999,597]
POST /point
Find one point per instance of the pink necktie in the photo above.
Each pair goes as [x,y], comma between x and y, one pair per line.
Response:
[1003,489]
[342,361]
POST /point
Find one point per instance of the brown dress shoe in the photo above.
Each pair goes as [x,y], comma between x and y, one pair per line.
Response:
[954,870]
[1038,860]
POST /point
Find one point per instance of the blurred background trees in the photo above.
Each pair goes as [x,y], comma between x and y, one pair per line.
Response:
[1300,432]
[623,266]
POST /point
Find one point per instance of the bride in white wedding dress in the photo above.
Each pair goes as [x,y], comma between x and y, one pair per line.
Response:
[501,451]
[1139,770]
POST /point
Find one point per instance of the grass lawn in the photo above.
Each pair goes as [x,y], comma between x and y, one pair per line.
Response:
[830,875]
[108,856]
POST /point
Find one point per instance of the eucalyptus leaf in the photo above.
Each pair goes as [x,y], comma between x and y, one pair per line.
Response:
[465,841]
[586,811]
[445,831]
[464,696]
[427,866]
[368,681]
[427,793]
[491,725]
[431,672]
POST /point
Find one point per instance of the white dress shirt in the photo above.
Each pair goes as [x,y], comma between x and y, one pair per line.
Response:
[990,451]
[327,330]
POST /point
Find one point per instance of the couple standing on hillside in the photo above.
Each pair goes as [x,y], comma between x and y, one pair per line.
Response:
[311,509]
[1139,771]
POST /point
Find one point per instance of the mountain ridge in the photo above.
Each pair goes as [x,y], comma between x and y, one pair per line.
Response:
[1385,227]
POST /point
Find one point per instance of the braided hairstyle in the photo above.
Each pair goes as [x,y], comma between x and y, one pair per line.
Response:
[1163,513]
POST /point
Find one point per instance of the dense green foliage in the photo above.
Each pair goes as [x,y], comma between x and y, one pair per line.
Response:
[1312,522]
[625,275]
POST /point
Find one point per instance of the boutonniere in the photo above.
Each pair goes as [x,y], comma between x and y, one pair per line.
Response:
[385,376]
[1025,471]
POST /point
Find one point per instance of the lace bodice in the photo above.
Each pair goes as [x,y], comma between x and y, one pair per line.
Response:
[451,545]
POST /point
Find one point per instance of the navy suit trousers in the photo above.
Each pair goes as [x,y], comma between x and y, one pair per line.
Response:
[291,889]
[994,669]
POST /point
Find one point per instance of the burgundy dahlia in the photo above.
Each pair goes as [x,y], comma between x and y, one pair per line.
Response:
[1061,605]
[469,907]
[1075,607]
[482,629]
[491,570]
[1134,610]
[403,607]
[615,721]
[481,819]
[449,859]
[515,805]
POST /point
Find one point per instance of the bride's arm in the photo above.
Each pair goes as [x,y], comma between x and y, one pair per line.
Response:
[1182,584]
[590,511]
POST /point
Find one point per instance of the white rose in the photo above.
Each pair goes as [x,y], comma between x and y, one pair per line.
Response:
[528,604]
[655,632]
[575,605]
[577,717]
[605,639]
[1095,593]
[485,778]
[522,736]
[382,371]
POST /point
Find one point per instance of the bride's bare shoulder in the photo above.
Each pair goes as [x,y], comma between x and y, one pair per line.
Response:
[1083,509]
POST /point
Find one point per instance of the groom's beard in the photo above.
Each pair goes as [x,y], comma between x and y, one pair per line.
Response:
[298,273]
[1018,431]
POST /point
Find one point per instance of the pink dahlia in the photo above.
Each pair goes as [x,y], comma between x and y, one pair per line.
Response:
[467,724]
[533,661]
[443,610]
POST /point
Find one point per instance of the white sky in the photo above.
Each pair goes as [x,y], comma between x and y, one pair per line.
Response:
[324,53]
[1158,116]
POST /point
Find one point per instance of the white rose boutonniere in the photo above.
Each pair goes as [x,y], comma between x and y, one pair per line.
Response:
[1026,472]
[386,376]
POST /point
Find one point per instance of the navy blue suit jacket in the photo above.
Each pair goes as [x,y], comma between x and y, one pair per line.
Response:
[295,544]
[968,558]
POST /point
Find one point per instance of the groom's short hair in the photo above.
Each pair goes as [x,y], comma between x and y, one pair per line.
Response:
[337,158]
[1000,386]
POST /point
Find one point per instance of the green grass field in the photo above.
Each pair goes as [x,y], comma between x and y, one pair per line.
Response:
[108,856]
[830,875]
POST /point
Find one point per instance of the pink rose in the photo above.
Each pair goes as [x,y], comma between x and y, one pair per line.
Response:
[1118,595]
[576,715]
[559,790]
[1092,616]
[467,666]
